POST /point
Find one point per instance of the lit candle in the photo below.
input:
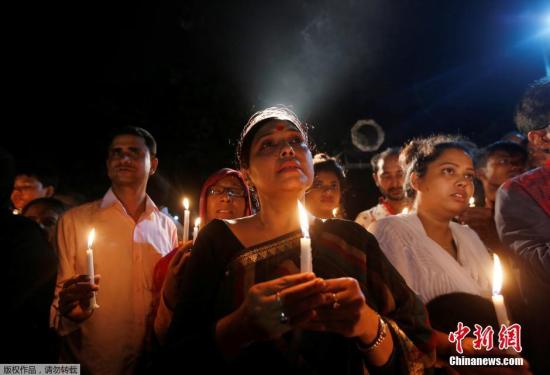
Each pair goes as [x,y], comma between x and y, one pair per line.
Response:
[91,273]
[498,300]
[305,242]
[405,210]
[185,220]
[196,229]
[472,202]
[334,212]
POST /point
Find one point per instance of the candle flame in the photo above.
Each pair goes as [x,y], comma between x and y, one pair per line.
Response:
[197,222]
[334,212]
[472,202]
[91,237]
[405,210]
[304,222]
[497,275]
[186,203]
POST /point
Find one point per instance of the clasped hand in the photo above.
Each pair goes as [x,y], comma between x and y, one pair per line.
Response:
[74,297]
[305,301]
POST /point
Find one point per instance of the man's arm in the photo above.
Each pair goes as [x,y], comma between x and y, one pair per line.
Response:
[63,319]
[523,226]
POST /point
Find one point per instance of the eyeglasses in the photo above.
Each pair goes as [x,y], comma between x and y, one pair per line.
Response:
[232,192]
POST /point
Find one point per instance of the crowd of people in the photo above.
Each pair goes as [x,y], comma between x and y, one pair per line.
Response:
[387,288]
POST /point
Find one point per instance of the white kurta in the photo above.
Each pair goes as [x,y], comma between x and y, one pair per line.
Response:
[427,268]
[367,217]
[125,253]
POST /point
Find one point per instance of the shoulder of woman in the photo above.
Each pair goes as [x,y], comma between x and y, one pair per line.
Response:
[467,234]
[348,230]
[216,231]
[391,223]
[463,230]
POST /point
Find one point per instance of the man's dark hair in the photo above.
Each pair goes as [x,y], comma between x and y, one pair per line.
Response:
[510,148]
[42,172]
[533,110]
[382,155]
[139,132]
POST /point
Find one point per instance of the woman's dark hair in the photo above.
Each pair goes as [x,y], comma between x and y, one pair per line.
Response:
[255,123]
[420,152]
[324,163]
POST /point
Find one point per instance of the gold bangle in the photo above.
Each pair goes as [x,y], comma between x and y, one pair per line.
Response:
[380,336]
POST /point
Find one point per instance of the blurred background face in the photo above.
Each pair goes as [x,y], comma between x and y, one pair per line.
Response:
[389,178]
[324,194]
[447,185]
[26,189]
[45,217]
[501,166]
[225,200]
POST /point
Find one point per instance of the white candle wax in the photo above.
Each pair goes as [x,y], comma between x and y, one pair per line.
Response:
[186,220]
[196,229]
[305,255]
[500,308]
[306,261]
[90,264]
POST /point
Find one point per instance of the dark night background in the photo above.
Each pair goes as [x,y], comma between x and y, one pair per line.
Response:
[193,72]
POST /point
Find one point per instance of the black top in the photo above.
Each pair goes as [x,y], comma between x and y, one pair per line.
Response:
[28,269]
[220,271]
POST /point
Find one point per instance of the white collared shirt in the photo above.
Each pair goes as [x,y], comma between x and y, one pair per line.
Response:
[125,253]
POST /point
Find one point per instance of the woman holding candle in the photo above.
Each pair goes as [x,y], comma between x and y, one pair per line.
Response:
[245,306]
[224,195]
[325,194]
[435,255]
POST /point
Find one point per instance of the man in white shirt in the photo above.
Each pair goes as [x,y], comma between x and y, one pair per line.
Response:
[388,176]
[131,236]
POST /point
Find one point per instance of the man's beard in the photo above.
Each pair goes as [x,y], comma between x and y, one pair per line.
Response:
[392,197]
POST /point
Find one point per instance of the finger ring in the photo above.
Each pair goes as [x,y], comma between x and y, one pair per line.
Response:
[335,303]
[283,319]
